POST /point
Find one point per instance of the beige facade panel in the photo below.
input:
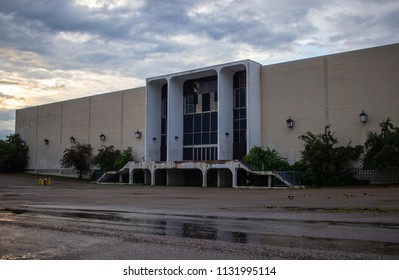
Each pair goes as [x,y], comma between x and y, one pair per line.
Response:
[134,120]
[48,127]
[363,80]
[26,126]
[330,90]
[295,90]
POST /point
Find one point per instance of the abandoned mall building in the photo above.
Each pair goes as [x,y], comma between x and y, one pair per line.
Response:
[194,127]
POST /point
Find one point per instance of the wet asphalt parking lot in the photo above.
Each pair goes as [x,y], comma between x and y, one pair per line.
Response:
[71,219]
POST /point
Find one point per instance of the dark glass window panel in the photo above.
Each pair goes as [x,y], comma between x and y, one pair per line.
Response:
[236,114]
[204,154]
[163,140]
[195,155]
[236,80]
[236,125]
[243,113]
[188,139]
[197,138]
[243,136]
[188,154]
[243,97]
[208,153]
[236,136]
[206,102]
[188,123]
[214,138]
[205,138]
[236,98]
[214,121]
[243,124]
[163,126]
[197,123]
[206,122]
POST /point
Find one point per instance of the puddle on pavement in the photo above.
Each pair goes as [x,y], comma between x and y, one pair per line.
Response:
[236,230]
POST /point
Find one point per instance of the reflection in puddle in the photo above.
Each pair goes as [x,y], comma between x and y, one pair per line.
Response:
[187,228]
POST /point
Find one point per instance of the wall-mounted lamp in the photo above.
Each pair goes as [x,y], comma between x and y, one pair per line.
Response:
[23,143]
[46,141]
[137,134]
[72,139]
[363,117]
[176,138]
[102,137]
[290,122]
[227,133]
[154,139]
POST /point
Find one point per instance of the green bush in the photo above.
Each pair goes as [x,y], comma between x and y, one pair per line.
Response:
[269,160]
[323,163]
[79,156]
[106,158]
[382,150]
[123,158]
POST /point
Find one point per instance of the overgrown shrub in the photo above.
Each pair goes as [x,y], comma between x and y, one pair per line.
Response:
[106,158]
[79,156]
[382,149]
[269,159]
[323,163]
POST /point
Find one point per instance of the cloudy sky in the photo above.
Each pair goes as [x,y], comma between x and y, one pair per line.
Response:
[52,50]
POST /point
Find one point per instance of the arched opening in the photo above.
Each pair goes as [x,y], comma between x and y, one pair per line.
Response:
[140,176]
[220,177]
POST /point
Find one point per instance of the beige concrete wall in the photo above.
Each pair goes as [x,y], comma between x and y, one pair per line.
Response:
[49,127]
[106,118]
[117,115]
[293,90]
[329,90]
[26,126]
[133,120]
[363,80]
[75,121]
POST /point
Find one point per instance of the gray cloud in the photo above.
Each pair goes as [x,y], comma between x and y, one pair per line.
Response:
[50,45]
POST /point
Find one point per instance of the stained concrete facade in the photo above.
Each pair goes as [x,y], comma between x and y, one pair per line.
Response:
[117,115]
[328,90]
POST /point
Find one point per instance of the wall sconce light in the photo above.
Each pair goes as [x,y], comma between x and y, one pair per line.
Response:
[290,122]
[102,137]
[363,117]
[72,139]
[176,138]
[23,143]
[46,141]
[137,134]
[227,133]
[154,139]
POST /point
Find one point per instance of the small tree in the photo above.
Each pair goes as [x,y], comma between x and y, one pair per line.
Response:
[382,150]
[13,154]
[123,158]
[325,164]
[106,158]
[79,157]
[261,159]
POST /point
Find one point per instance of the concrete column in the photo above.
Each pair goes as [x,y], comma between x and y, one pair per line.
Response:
[175,120]
[205,178]
[234,177]
[225,114]
[253,105]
